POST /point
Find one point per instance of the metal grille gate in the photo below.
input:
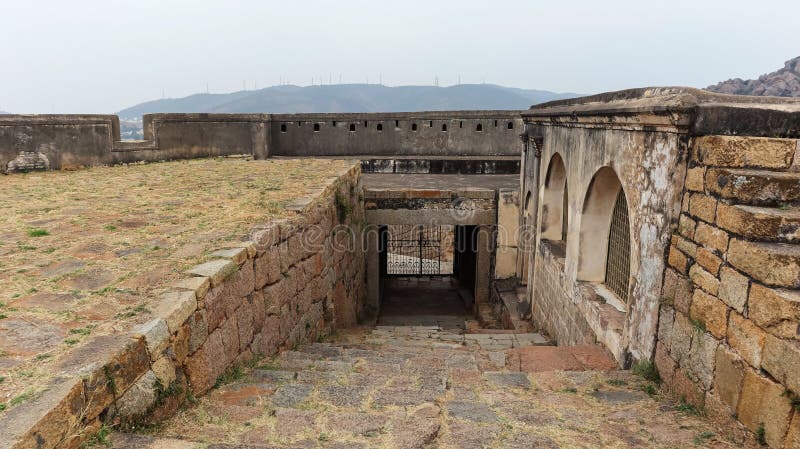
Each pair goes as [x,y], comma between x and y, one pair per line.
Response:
[415,250]
[619,249]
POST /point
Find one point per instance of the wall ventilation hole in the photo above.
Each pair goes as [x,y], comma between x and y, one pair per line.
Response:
[316,127]
[460,124]
[479,128]
[283,127]
[397,123]
[430,124]
[380,127]
[495,123]
[413,127]
[510,125]
[352,127]
[444,127]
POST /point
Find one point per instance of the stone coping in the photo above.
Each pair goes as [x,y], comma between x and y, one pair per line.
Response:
[684,109]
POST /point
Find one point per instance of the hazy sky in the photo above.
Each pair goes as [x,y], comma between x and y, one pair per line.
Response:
[102,56]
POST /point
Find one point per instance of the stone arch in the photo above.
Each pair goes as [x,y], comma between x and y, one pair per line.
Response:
[604,197]
[554,200]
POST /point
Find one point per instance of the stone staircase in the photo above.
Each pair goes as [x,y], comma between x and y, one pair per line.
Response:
[423,387]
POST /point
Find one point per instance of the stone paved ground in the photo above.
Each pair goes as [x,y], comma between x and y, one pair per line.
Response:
[405,387]
[82,253]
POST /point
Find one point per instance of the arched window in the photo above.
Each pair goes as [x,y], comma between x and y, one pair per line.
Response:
[413,127]
[283,127]
[618,265]
[554,201]
[352,127]
[479,128]
[605,244]
[316,127]
[380,126]
[444,127]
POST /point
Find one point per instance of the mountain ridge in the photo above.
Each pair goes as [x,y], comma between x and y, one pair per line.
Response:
[350,98]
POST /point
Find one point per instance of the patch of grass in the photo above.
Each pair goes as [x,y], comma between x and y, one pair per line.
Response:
[3,406]
[616,382]
[19,399]
[268,367]
[37,232]
[109,227]
[648,388]
[343,207]
[100,438]
[71,341]
[163,393]
[699,325]
[569,390]
[232,374]
[3,316]
[703,437]
[40,357]
[131,311]
[761,435]
[688,408]
[82,330]
[646,369]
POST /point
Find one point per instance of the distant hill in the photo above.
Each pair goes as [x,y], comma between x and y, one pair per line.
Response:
[350,98]
[782,83]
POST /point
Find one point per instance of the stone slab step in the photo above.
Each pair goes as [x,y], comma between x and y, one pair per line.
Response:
[760,223]
[755,187]
[535,359]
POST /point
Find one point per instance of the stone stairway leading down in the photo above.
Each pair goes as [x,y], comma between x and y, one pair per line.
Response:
[399,387]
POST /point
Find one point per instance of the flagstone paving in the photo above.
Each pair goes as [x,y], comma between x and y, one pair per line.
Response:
[406,387]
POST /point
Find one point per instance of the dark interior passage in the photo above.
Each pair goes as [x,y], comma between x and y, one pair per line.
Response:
[422,301]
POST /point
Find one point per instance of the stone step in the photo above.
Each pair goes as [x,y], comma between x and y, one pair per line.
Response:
[755,187]
[760,223]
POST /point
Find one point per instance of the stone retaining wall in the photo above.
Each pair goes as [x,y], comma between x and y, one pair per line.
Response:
[291,282]
[729,328]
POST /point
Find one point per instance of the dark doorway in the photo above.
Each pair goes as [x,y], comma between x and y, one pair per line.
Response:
[418,282]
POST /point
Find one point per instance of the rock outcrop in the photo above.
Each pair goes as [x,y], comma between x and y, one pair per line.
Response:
[782,83]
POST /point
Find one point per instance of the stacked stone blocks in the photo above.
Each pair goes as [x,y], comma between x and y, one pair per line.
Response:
[290,282]
[729,327]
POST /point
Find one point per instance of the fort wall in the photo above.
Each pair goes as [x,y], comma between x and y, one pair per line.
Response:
[56,142]
[729,328]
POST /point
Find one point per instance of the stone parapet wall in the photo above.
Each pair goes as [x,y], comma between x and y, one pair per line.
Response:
[729,327]
[55,142]
[291,282]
